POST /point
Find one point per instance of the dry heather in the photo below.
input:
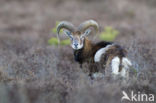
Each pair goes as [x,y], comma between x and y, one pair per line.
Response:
[31,71]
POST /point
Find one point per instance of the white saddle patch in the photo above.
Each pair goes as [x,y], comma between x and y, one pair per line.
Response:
[115,65]
[125,66]
[99,53]
[126,62]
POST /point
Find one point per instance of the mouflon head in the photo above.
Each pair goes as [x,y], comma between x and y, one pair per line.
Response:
[77,35]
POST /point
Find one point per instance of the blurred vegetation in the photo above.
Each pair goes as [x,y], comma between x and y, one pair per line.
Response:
[54,41]
[31,72]
[109,34]
[134,70]
[54,30]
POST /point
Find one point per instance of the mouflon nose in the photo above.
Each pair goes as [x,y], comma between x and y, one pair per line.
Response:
[76,45]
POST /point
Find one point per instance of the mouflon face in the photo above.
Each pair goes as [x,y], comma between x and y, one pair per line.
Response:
[77,38]
[77,41]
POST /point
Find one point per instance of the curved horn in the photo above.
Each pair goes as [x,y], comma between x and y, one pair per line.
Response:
[65,25]
[87,24]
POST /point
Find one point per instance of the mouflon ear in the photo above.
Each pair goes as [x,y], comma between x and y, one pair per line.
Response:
[68,33]
[86,33]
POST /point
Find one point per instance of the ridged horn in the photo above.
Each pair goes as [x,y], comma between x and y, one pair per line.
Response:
[64,25]
[87,24]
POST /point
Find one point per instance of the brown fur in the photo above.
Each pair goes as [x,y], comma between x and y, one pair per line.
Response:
[86,54]
[112,52]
